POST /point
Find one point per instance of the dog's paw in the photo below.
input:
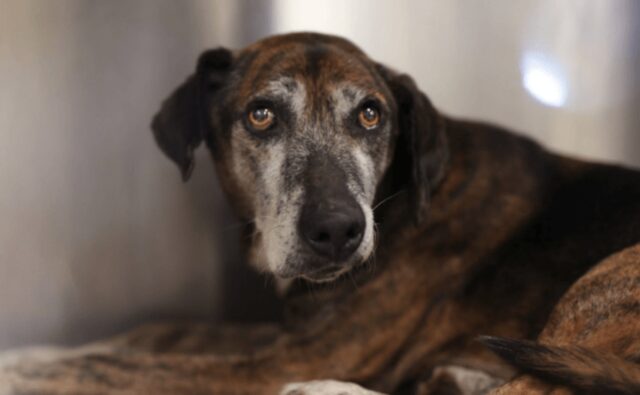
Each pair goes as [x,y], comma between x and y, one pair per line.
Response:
[325,387]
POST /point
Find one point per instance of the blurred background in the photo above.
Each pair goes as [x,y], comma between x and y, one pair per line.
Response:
[98,233]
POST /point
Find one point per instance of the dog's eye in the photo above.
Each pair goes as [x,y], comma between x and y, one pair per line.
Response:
[369,116]
[261,118]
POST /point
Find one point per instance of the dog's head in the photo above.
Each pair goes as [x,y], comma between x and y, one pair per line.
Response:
[303,128]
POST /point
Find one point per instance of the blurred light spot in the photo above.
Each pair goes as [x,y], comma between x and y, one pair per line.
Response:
[543,78]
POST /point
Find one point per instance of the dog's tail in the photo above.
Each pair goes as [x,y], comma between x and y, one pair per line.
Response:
[574,367]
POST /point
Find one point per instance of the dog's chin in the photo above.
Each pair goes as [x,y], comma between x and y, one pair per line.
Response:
[318,271]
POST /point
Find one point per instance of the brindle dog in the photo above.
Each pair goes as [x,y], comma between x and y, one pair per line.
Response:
[421,231]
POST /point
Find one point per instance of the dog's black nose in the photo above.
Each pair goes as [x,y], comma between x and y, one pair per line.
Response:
[333,230]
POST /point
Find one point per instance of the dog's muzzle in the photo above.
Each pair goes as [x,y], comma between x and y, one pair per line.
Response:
[331,224]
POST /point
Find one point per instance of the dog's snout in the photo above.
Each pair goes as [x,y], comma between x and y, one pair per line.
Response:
[333,231]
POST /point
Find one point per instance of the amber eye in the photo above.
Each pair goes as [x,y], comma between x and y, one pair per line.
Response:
[261,118]
[369,116]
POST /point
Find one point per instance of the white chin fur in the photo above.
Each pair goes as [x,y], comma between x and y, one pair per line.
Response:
[368,239]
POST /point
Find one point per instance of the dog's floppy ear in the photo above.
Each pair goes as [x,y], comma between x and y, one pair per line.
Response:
[421,152]
[183,120]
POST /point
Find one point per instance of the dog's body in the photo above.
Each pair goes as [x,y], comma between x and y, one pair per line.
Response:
[480,232]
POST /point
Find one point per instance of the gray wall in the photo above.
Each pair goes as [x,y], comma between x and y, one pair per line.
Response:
[97,230]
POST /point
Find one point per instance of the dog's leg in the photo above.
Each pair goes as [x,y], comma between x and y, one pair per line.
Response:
[592,339]
[265,372]
[528,385]
[445,380]
[458,380]
[354,341]
[326,387]
[195,338]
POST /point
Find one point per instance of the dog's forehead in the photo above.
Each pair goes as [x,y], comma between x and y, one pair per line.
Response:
[320,63]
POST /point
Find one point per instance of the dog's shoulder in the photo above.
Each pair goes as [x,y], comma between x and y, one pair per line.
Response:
[577,214]
[513,155]
[511,162]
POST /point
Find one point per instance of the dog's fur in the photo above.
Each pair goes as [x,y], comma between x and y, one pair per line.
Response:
[479,232]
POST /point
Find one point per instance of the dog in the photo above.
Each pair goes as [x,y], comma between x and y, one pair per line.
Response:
[418,253]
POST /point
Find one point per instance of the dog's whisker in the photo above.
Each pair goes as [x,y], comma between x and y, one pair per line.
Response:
[237,225]
[231,227]
[353,280]
[269,280]
[393,195]
[371,262]
[376,238]
[277,226]
[312,290]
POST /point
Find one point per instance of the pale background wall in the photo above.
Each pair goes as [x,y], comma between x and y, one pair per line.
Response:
[99,233]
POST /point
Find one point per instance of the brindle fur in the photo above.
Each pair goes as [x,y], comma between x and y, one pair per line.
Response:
[517,243]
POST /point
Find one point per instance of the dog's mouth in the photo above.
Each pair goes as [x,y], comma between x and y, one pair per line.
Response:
[326,274]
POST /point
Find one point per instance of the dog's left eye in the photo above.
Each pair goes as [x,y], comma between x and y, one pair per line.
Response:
[261,118]
[369,116]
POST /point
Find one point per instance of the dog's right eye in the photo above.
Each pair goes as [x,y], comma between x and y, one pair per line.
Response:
[261,118]
[369,116]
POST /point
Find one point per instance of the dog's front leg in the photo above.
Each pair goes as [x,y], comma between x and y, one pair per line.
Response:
[355,339]
[326,387]
[452,380]
[353,342]
[150,373]
[194,338]
[143,373]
